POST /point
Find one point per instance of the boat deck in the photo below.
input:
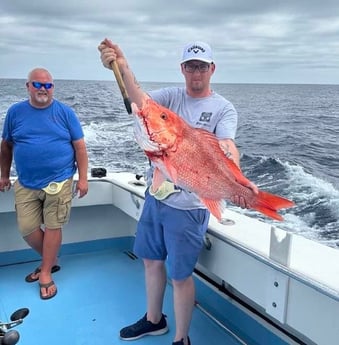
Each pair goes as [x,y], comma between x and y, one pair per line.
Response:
[99,292]
[255,285]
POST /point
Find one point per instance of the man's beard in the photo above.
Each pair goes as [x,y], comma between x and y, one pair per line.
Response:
[197,86]
[42,99]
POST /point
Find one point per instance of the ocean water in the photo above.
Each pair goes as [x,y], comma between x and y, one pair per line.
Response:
[288,136]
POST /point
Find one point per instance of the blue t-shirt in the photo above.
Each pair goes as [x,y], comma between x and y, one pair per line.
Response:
[42,142]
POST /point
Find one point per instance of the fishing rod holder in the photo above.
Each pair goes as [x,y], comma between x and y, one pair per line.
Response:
[12,337]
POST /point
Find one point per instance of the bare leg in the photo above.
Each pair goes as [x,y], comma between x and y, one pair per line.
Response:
[51,246]
[184,296]
[47,243]
[155,276]
[35,240]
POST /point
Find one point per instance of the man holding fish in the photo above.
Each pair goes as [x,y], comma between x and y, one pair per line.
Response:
[174,219]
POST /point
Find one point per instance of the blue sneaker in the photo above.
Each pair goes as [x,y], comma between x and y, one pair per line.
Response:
[144,327]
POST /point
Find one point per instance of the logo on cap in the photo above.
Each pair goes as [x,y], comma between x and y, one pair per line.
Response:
[195,48]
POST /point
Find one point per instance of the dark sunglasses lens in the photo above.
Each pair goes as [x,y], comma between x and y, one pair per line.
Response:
[48,86]
[38,85]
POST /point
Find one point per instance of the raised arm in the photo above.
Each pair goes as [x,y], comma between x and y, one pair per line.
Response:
[110,52]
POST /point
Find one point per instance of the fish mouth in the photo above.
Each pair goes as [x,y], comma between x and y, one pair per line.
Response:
[143,137]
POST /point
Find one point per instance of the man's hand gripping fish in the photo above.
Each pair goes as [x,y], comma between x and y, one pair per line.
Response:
[193,160]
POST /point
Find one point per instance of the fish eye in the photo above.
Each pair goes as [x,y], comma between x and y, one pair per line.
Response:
[163,116]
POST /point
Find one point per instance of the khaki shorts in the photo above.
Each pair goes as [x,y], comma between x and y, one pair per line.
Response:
[36,207]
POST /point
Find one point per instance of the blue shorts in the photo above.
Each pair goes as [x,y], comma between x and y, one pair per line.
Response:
[166,232]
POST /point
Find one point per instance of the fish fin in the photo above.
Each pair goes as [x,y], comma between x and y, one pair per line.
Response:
[237,173]
[172,172]
[158,179]
[216,207]
[269,204]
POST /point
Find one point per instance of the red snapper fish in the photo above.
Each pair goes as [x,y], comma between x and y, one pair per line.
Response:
[193,160]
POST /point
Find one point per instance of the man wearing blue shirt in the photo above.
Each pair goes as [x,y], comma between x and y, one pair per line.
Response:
[47,142]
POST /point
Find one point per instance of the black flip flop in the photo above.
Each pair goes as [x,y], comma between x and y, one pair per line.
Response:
[46,286]
[29,278]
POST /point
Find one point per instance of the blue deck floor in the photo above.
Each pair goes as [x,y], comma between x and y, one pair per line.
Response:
[98,293]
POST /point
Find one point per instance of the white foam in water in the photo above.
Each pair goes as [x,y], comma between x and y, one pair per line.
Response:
[306,189]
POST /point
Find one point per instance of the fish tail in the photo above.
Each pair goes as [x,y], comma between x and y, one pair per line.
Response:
[269,204]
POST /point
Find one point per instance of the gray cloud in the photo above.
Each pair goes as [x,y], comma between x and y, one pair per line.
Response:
[253,41]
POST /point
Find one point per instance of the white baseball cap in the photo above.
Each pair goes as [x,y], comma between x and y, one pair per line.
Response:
[197,51]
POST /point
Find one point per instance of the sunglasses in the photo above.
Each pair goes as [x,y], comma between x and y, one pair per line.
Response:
[191,68]
[39,85]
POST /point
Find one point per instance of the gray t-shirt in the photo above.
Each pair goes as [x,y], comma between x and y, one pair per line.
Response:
[213,113]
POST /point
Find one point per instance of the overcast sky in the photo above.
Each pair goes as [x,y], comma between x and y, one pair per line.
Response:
[254,41]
